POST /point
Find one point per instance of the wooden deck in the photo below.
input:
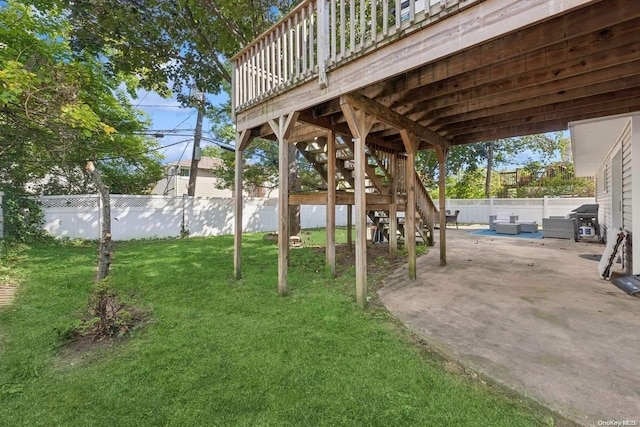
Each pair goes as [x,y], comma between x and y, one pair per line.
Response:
[431,74]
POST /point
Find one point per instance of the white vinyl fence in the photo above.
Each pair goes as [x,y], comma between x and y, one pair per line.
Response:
[136,217]
[477,211]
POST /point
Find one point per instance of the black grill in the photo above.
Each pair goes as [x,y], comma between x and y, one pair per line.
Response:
[586,216]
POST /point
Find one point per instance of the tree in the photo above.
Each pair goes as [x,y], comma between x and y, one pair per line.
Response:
[58,110]
[182,43]
[489,155]
[173,45]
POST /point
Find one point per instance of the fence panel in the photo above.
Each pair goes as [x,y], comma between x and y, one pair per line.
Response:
[140,217]
[136,217]
[74,217]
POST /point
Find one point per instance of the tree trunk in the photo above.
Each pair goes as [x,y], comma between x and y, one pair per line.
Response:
[487,182]
[294,185]
[104,250]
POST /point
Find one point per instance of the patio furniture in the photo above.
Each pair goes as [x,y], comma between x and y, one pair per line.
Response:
[452,219]
[508,228]
[501,217]
[527,226]
[558,227]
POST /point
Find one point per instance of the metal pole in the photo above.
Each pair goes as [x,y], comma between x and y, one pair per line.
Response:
[195,157]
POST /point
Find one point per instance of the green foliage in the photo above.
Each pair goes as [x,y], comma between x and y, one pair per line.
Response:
[23,217]
[557,179]
[185,42]
[58,110]
[466,168]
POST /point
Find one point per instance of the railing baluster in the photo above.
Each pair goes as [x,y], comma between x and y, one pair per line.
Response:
[312,43]
[334,42]
[362,23]
[352,21]
[305,50]
[292,59]
[261,76]
[399,13]
[273,69]
[374,20]
[412,10]
[278,62]
[296,33]
[385,17]
[343,30]
[323,43]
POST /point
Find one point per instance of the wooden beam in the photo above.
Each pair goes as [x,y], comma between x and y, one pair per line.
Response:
[331,204]
[243,140]
[393,205]
[284,125]
[283,216]
[360,124]
[374,201]
[387,115]
[350,228]
[282,128]
[410,215]
[442,160]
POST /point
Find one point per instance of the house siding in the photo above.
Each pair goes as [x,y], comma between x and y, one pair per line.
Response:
[604,191]
[603,197]
[627,196]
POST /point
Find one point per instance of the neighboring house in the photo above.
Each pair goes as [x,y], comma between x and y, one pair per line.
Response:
[176,181]
[609,148]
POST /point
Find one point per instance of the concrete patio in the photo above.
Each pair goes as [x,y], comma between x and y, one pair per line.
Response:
[533,315]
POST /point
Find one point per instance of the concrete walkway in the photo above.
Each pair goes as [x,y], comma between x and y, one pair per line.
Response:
[533,315]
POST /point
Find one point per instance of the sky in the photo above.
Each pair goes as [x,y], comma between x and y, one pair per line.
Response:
[178,123]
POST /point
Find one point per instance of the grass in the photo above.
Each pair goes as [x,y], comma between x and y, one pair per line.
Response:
[220,351]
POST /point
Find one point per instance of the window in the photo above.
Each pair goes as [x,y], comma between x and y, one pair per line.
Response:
[184,171]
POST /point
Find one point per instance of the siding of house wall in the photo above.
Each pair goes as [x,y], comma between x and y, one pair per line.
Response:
[604,190]
[603,197]
[627,196]
[205,186]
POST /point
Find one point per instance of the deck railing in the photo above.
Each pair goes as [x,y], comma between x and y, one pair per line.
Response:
[319,35]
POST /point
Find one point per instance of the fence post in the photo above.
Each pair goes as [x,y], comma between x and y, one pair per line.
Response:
[544,207]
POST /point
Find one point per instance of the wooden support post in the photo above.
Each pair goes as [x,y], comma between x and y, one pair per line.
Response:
[350,227]
[243,139]
[442,159]
[331,203]
[283,217]
[393,206]
[360,124]
[411,146]
[282,128]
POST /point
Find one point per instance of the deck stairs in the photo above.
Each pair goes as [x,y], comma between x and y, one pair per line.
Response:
[378,177]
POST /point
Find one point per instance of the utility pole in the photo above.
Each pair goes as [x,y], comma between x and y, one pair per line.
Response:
[195,157]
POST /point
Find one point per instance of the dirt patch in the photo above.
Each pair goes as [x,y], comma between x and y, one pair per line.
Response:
[380,262]
[109,319]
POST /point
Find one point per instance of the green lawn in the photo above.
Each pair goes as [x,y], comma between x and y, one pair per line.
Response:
[222,352]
